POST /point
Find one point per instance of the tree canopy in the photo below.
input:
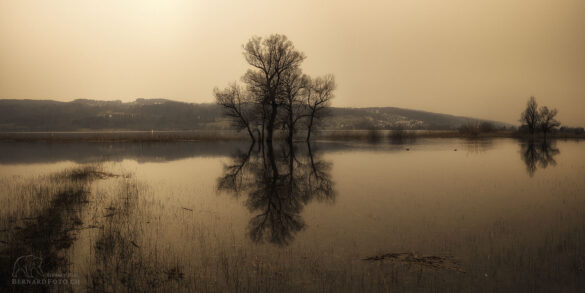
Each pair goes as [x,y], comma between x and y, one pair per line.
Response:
[276,94]
[539,119]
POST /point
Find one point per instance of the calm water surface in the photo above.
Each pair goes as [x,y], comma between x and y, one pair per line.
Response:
[502,215]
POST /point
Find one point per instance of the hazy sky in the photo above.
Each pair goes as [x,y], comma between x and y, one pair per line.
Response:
[465,57]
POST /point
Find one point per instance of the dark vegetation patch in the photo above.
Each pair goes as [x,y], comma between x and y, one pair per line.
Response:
[50,232]
[431,261]
[119,260]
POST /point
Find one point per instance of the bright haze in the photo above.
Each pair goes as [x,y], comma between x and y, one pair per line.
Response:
[474,58]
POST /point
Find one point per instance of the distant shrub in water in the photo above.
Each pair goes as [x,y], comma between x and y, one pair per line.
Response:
[374,135]
[474,128]
[572,130]
[397,135]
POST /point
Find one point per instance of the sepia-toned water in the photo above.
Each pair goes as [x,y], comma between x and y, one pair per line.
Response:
[426,214]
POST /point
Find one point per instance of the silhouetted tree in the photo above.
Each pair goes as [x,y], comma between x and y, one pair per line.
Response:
[485,127]
[530,116]
[547,121]
[277,92]
[318,97]
[237,104]
[476,127]
[295,86]
[271,59]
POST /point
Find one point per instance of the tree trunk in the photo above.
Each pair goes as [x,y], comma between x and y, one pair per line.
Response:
[263,123]
[290,136]
[250,133]
[291,127]
[291,164]
[259,134]
[272,160]
[270,126]
[310,127]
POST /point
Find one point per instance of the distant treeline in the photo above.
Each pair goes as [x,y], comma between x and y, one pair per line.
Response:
[162,114]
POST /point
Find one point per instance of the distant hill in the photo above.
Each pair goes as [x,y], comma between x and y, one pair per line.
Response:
[161,114]
[391,118]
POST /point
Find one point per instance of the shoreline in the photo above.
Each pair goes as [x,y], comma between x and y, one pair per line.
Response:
[194,136]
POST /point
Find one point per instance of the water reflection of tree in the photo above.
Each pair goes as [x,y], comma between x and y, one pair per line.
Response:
[278,183]
[538,154]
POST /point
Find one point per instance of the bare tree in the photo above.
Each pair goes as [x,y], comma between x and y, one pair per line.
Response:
[270,59]
[318,98]
[547,121]
[277,92]
[237,104]
[530,116]
[295,85]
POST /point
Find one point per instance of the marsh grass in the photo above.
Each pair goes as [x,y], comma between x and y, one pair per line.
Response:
[129,251]
[119,235]
[133,251]
[118,260]
[41,218]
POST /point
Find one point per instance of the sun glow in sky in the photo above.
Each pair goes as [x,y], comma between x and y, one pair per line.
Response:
[473,58]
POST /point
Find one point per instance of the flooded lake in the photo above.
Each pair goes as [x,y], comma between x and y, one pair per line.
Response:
[434,215]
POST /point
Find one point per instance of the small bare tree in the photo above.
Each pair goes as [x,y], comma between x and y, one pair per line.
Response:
[547,120]
[237,104]
[530,116]
[318,97]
